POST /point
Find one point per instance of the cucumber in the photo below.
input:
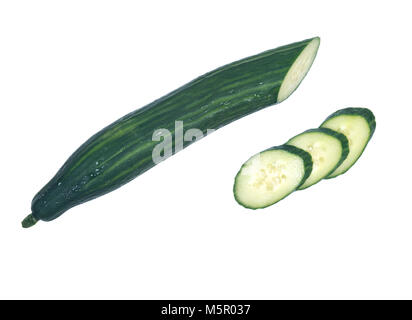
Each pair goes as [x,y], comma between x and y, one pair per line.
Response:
[123,150]
[271,175]
[358,125]
[328,149]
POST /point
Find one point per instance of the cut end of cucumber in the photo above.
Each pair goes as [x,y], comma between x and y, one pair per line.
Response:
[298,70]
[268,177]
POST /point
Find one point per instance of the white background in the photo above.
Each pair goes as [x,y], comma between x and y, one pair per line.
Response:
[68,68]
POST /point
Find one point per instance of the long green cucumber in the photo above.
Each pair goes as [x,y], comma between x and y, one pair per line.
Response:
[123,150]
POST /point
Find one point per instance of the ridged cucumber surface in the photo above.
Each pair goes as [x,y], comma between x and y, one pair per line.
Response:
[123,150]
[328,149]
[271,175]
[358,125]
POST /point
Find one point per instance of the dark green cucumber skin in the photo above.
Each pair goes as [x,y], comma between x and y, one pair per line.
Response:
[307,164]
[363,112]
[123,150]
[340,136]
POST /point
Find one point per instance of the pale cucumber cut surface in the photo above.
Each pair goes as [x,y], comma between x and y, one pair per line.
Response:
[298,70]
[358,125]
[328,149]
[271,175]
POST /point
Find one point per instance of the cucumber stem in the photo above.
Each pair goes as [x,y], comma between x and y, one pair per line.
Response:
[29,221]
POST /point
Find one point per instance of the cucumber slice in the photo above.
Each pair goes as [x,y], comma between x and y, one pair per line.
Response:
[328,149]
[358,125]
[271,175]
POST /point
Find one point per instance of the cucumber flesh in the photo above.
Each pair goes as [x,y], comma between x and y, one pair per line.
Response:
[358,125]
[271,175]
[328,149]
[298,70]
